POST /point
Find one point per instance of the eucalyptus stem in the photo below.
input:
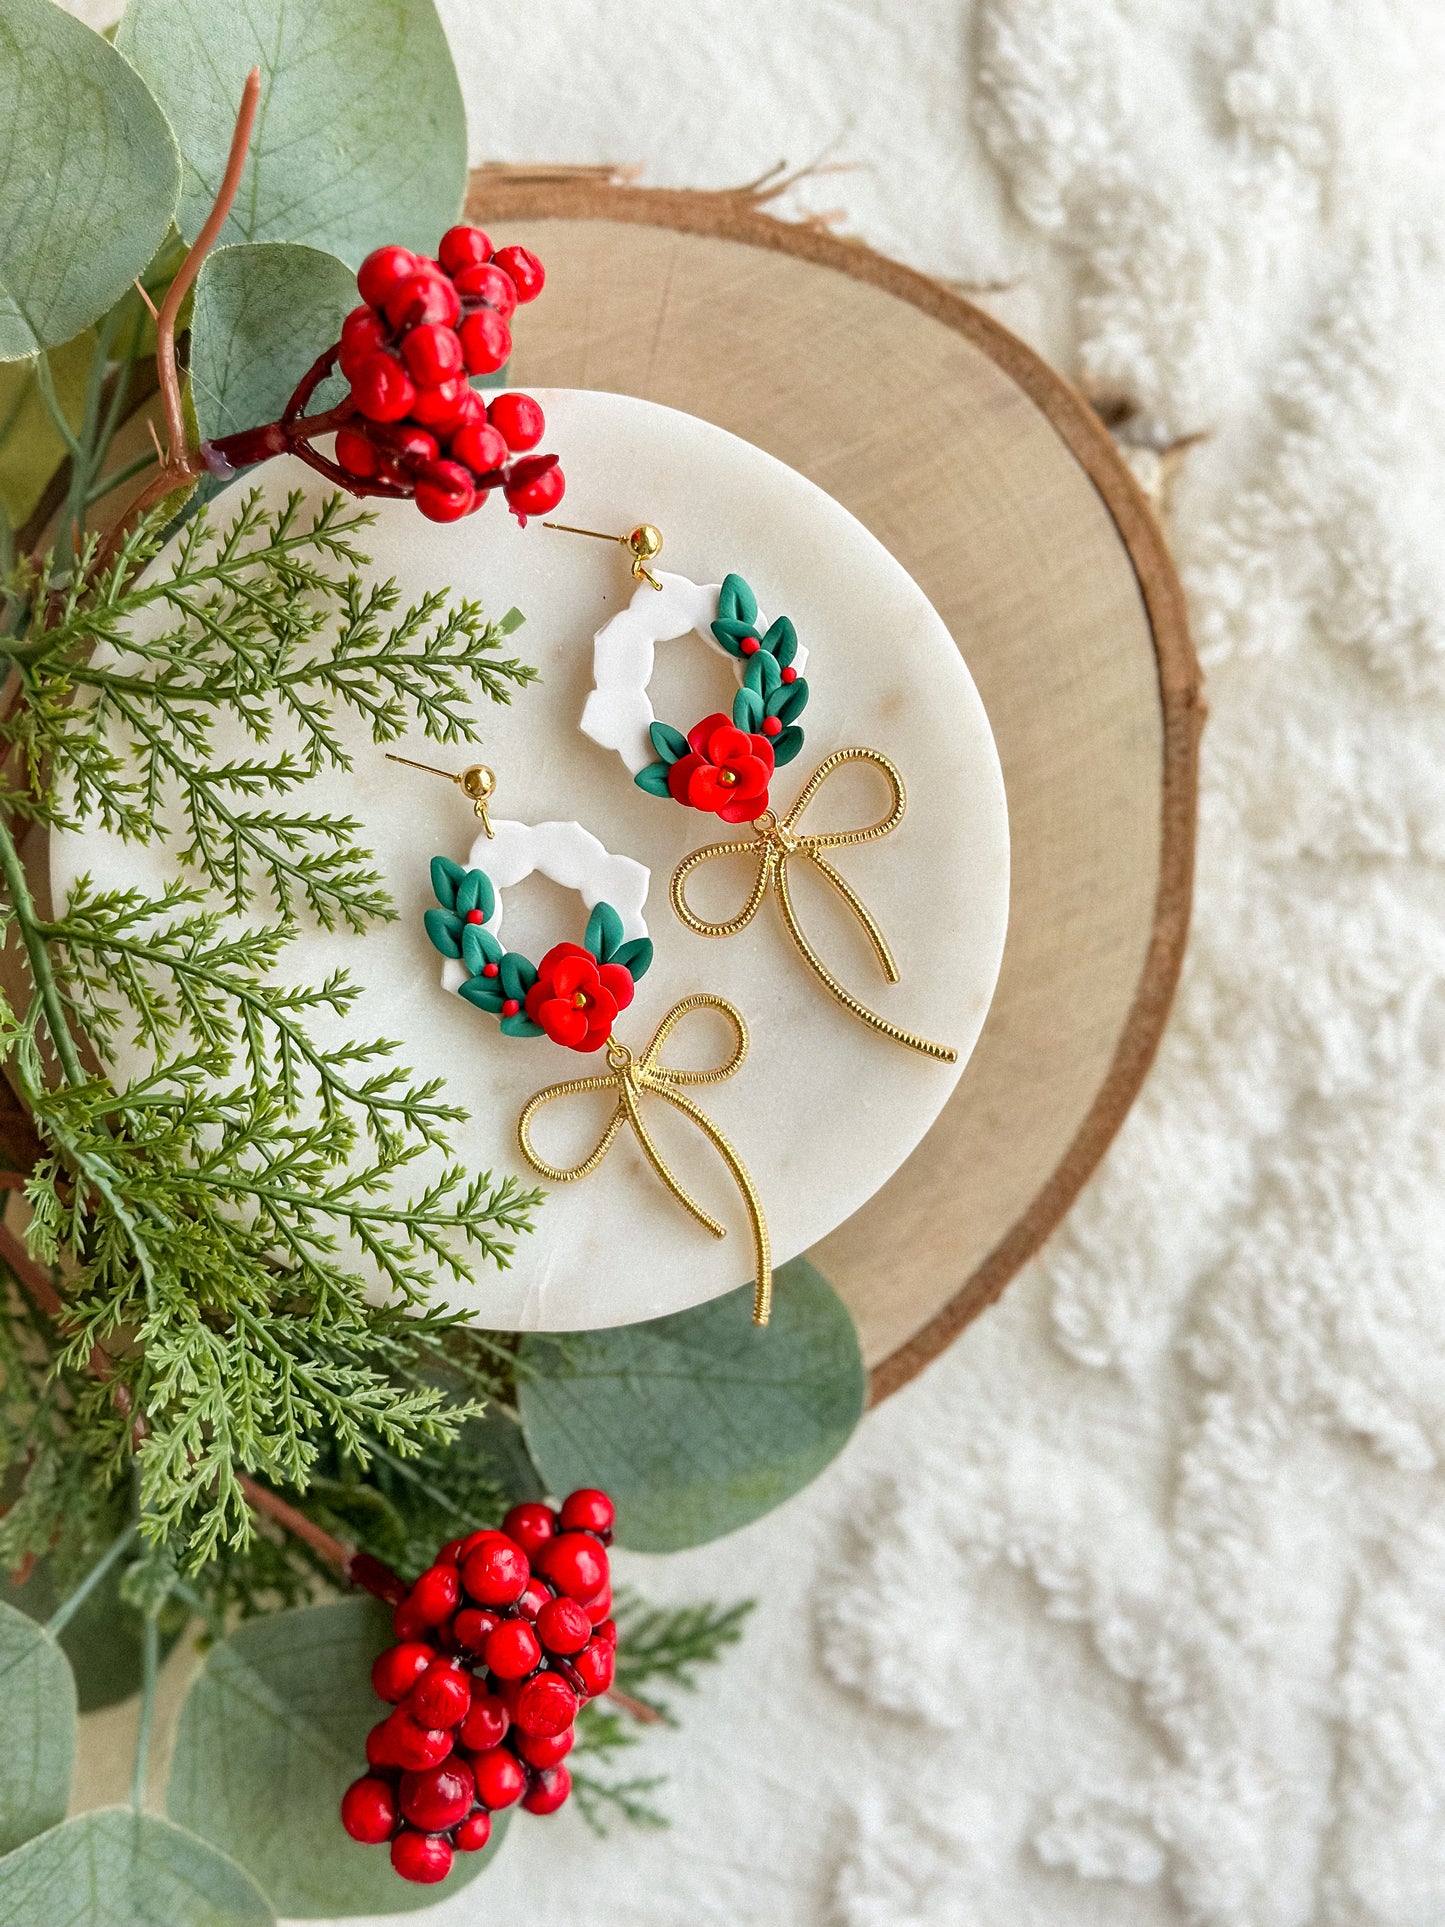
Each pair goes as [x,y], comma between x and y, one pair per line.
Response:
[150,1660]
[42,975]
[69,1607]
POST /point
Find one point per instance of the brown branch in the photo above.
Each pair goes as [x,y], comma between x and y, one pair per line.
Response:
[639,1709]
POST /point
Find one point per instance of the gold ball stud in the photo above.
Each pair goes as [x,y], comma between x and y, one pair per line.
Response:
[478,782]
[645,541]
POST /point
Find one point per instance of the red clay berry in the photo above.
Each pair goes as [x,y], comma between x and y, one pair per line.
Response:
[500,1776]
[362,334]
[596,1663]
[549,1790]
[524,269]
[532,1525]
[444,494]
[513,1650]
[382,389]
[486,341]
[398,1669]
[790,674]
[537,1751]
[474,1832]
[750,645]
[486,1723]
[423,298]
[493,970]
[463,247]
[480,447]
[368,1811]
[518,420]
[441,407]
[413,1747]
[496,1573]
[576,1564]
[510,1007]
[439,1797]
[489,286]
[772,726]
[587,1510]
[563,1627]
[435,1594]
[425,1857]
[545,1707]
[441,1696]
[380,272]
[472,1629]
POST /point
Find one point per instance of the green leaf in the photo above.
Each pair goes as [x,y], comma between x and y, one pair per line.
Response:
[698,1422]
[31,449]
[653,779]
[786,746]
[441,927]
[604,934]
[446,879]
[88,176]
[116,1868]
[521,1025]
[38,1694]
[270,1736]
[669,743]
[102,1640]
[361,137]
[635,957]
[517,976]
[736,600]
[748,709]
[482,992]
[762,674]
[789,701]
[262,316]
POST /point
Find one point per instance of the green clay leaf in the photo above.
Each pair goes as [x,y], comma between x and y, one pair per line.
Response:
[789,701]
[446,877]
[521,1026]
[470,891]
[442,927]
[748,710]
[762,675]
[604,933]
[483,992]
[270,1736]
[635,957]
[730,635]
[669,743]
[781,636]
[653,779]
[736,600]
[697,1423]
[117,1868]
[361,136]
[37,1690]
[786,746]
[518,974]
[474,949]
[88,177]
[262,316]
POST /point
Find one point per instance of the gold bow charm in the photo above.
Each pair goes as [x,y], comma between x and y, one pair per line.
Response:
[632,1078]
[776,843]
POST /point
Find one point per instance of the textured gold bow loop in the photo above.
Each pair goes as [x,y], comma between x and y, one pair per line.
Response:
[631,1079]
[776,842]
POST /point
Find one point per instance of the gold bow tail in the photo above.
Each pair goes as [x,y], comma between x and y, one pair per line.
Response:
[776,843]
[632,1078]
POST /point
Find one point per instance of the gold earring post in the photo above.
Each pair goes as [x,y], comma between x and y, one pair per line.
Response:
[476,782]
[643,544]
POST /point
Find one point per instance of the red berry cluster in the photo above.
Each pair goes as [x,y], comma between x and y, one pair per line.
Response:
[500,1643]
[423,329]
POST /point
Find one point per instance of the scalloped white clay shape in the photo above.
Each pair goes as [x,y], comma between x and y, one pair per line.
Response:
[618,713]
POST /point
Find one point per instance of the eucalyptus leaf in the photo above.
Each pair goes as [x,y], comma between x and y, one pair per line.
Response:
[31,449]
[271,1734]
[699,1422]
[89,175]
[262,316]
[38,1694]
[361,136]
[116,1868]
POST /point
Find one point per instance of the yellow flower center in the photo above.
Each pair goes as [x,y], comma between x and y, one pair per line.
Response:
[580,1000]
[727,776]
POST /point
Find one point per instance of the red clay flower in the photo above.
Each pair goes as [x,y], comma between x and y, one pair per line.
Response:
[728,771]
[575,999]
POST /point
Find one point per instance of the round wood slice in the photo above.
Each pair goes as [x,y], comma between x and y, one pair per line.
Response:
[997,487]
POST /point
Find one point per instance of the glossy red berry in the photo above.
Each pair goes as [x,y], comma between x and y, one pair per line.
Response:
[513,1650]
[399,1668]
[356,454]
[486,1723]
[444,494]
[563,1627]
[423,298]
[538,1591]
[434,1596]
[378,1747]
[413,447]
[448,1554]
[518,420]
[441,407]
[489,286]
[382,389]
[410,1746]
[537,1751]
[479,447]
[790,674]
[441,1696]
[608,1631]
[486,341]
[549,1790]
[368,1811]
[407,1623]
[545,1706]
[532,1525]
[432,354]
[524,269]
[362,333]
[538,492]
[471,1629]
[587,1510]
[596,1664]
[380,272]
[437,1798]
[500,1776]
[599,1608]
[474,1832]
[463,247]
[425,1857]
[576,1564]
[772,726]
[496,1573]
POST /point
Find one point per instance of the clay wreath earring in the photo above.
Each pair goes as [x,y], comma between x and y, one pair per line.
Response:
[725,765]
[575,994]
